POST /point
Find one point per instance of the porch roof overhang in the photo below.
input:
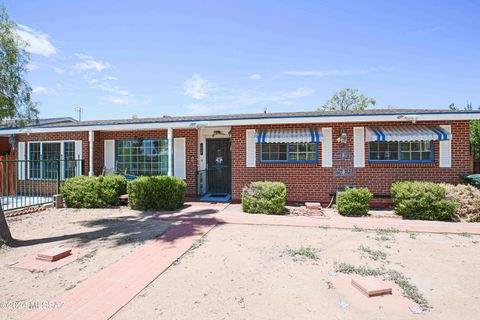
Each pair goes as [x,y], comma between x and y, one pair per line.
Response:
[253,119]
[407,133]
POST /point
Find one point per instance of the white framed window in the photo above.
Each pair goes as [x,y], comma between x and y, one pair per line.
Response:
[48,159]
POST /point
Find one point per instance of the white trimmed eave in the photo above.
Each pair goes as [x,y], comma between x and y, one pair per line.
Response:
[394,118]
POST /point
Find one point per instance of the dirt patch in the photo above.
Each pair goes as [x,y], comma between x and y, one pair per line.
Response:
[247,272]
[106,235]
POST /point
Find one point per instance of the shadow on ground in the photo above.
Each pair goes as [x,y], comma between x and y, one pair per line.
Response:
[136,228]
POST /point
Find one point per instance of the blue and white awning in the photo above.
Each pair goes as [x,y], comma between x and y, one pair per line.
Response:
[407,133]
[289,135]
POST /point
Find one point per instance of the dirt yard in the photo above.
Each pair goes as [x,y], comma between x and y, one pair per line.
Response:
[107,235]
[251,272]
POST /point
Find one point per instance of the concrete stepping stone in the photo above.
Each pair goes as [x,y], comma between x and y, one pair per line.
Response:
[313,206]
[54,254]
[372,286]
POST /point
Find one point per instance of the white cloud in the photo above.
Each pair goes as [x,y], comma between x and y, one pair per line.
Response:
[58,70]
[197,87]
[93,81]
[104,85]
[90,63]
[251,98]
[32,66]
[38,42]
[116,100]
[43,90]
[335,72]
[255,76]
[298,93]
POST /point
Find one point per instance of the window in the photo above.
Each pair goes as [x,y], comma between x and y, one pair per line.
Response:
[45,160]
[69,157]
[289,152]
[395,151]
[274,152]
[34,163]
[50,155]
[147,157]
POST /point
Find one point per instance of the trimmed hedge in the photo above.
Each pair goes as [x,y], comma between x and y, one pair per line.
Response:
[354,201]
[93,192]
[421,200]
[156,193]
[264,197]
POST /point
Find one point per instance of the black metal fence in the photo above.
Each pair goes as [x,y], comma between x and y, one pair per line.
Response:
[25,183]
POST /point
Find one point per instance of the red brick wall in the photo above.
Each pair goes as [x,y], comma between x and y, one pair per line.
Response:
[59,136]
[190,136]
[311,182]
[305,182]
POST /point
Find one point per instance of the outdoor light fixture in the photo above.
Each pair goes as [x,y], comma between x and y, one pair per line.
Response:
[12,140]
[412,118]
[342,137]
[217,132]
[137,142]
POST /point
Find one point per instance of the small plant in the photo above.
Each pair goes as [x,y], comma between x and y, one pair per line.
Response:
[387,231]
[373,254]
[409,290]
[354,201]
[306,252]
[386,234]
[330,285]
[413,235]
[358,229]
[197,244]
[421,200]
[384,237]
[466,234]
[264,197]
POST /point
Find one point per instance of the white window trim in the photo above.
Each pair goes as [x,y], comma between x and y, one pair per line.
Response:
[62,154]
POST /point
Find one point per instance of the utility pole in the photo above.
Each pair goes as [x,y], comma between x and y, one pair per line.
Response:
[79,110]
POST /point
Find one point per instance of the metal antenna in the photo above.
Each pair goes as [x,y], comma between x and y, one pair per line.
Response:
[79,110]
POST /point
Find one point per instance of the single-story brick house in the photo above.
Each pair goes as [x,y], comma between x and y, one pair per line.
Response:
[313,153]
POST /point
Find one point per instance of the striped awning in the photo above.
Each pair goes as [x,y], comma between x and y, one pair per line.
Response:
[407,133]
[289,135]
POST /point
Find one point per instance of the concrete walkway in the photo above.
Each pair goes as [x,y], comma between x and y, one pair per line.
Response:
[105,293]
[234,214]
[102,295]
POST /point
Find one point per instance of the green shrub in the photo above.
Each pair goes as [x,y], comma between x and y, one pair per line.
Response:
[156,193]
[467,200]
[117,182]
[93,192]
[354,201]
[264,197]
[421,200]
[473,179]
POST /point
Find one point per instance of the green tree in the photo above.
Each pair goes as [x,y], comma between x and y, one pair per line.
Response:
[15,92]
[474,129]
[348,99]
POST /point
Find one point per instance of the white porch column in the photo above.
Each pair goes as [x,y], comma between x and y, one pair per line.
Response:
[170,151]
[91,138]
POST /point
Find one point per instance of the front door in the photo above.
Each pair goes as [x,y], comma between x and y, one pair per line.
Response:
[219,162]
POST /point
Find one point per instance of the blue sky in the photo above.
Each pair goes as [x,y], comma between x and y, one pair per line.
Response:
[116,59]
